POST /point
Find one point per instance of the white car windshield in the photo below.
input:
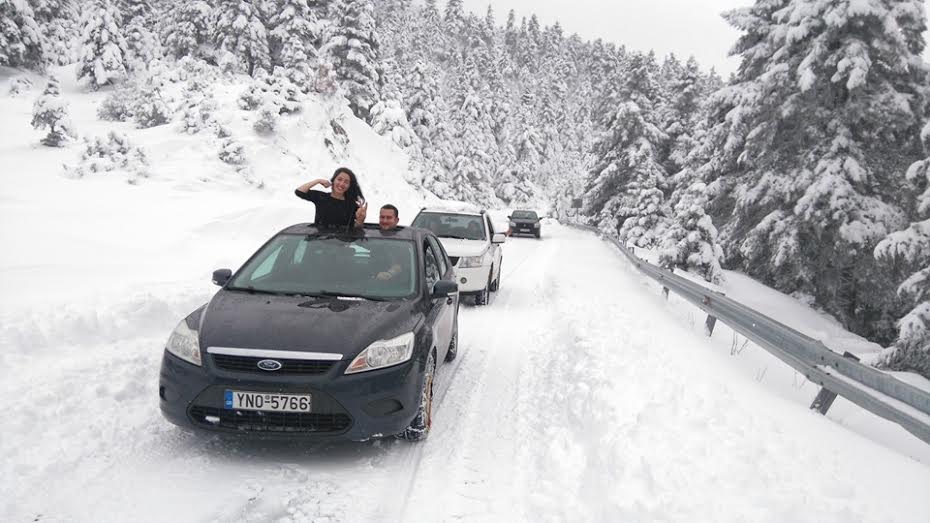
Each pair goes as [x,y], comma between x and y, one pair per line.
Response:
[291,264]
[450,225]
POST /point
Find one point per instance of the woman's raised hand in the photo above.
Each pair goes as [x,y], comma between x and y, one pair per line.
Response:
[324,182]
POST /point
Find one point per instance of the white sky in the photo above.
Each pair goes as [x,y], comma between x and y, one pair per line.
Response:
[683,27]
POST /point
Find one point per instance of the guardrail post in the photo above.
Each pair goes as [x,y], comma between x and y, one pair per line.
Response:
[711,320]
[824,399]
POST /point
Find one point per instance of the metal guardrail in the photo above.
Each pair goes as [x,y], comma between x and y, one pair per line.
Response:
[870,388]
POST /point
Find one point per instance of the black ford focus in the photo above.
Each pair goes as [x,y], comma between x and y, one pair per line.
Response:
[321,333]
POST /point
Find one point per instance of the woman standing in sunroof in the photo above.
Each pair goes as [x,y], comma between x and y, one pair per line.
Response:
[344,205]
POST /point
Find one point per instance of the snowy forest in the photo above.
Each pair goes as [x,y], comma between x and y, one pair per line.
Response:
[808,169]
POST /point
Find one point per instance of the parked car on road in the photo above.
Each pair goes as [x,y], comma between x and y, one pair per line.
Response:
[473,246]
[320,333]
[525,222]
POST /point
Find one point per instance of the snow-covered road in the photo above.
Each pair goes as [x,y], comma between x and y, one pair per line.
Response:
[578,395]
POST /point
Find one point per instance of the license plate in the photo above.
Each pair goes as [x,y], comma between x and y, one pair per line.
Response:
[266,401]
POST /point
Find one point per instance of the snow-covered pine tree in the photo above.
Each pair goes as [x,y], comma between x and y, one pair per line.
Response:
[906,254]
[814,136]
[473,144]
[240,30]
[187,27]
[690,243]
[51,112]
[910,249]
[58,20]
[531,40]
[682,112]
[388,117]
[623,192]
[104,50]
[432,39]
[198,107]
[422,90]
[267,120]
[22,42]
[353,51]
[130,9]
[511,36]
[113,153]
[453,25]
[293,36]
[143,45]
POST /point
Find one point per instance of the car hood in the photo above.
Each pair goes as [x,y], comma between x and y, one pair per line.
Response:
[343,326]
[456,247]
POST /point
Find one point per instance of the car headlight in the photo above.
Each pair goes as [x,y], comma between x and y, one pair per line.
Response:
[184,343]
[383,353]
[512,225]
[470,262]
[536,225]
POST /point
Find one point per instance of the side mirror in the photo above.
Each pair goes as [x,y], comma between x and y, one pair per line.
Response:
[221,276]
[509,217]
[499,238]
[444,288]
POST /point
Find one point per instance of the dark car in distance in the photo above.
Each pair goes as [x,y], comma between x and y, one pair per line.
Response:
[525,222]
[321,333]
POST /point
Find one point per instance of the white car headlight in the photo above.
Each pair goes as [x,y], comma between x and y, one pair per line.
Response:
[383,353]
[512,225]
[184,344]
[536,225]
[471,262]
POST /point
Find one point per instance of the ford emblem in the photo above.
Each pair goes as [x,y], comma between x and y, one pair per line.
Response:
[270,365]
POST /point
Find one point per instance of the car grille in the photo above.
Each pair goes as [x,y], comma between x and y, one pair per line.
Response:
[255,421]
[250,364]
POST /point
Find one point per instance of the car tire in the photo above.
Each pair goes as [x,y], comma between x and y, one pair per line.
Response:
[453,343]
[482,297]
[497,281]
[538,234]
[420,426]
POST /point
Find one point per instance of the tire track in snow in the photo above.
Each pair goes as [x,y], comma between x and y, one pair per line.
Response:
[409,456]
[472,452]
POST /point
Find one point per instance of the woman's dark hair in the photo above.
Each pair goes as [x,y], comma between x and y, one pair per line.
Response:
[354,193]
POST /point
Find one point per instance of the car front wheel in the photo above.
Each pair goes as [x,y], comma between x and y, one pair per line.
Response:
[420,426]
[482,297]
[496,285]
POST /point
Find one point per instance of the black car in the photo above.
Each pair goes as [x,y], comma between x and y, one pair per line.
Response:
[321,333]
[525,222]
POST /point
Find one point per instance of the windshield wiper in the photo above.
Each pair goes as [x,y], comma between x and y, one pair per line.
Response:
[454,237]
[252,290]
[334,294]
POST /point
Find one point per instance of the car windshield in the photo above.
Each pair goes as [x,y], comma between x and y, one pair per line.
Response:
[448,225]
[524,215]
[371,268]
